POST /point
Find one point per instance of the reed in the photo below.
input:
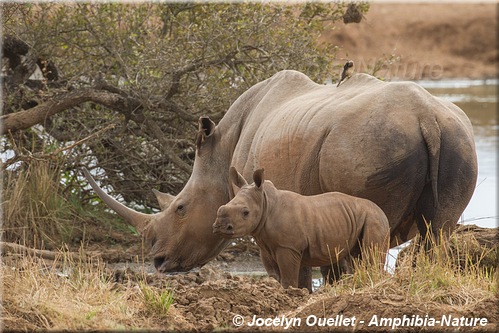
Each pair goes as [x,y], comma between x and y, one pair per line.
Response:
[34,209]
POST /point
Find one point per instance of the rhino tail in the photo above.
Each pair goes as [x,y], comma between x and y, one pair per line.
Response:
[432,137]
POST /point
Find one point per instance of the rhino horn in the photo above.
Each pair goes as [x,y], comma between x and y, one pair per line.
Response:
[138,220]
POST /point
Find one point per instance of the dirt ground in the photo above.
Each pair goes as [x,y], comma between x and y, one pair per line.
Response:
[230,292]
[430,40]
[210,299]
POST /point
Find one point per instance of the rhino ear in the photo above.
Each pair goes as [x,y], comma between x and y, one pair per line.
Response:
[164,199]
[206,127]
[258,177]
[236,181]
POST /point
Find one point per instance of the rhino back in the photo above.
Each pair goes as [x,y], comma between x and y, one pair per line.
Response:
[363,138]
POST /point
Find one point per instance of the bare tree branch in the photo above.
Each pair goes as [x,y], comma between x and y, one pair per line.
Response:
[18,157]
[25,119]
[160,136]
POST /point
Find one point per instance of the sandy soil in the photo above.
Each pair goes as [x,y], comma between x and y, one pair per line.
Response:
[431,41]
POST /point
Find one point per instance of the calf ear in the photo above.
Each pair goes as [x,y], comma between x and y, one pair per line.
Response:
[206,127]
[236,182]
[258,177]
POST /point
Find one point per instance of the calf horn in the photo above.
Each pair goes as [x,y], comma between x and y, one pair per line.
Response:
[138,220]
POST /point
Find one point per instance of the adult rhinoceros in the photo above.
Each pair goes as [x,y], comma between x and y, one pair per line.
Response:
[392,143]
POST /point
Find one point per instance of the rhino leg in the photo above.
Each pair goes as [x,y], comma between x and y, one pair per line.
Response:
[304,275]
[375,240]
[437,220]
[331,274]
[305,278]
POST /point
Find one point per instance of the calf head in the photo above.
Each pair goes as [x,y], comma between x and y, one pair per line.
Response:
[244,213]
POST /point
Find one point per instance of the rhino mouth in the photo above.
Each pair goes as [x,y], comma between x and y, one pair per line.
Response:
[224,232]
[164,265]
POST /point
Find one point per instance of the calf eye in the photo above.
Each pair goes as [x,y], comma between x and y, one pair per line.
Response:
[245,212]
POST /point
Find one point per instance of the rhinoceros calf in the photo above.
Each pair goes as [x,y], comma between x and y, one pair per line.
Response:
[293,230]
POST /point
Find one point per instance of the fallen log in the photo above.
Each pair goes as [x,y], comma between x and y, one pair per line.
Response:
[7,248]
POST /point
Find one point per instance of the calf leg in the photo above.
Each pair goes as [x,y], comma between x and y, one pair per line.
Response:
[375,240]
[270,265]
[289,263]
[305,278]
[331,274]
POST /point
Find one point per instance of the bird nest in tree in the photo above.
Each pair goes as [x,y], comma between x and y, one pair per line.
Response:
[352,14]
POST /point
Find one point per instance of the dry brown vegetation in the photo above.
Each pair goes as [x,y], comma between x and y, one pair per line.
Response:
[87,293]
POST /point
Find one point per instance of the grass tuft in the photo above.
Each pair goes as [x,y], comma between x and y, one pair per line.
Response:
[34,210]
[71,294]
[462,273]
[158,301]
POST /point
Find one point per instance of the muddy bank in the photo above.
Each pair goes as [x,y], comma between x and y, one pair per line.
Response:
[223,296]
[211,297]
[427,40]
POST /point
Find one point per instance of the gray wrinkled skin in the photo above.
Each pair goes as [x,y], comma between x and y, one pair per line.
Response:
[392,143]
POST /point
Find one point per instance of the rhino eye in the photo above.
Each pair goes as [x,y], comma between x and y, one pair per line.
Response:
[245,213]
[180,209]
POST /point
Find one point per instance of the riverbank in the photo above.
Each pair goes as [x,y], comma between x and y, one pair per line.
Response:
[422,41]
[83,292]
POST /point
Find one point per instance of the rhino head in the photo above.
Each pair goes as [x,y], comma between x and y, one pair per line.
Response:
[181,236]
[243,214]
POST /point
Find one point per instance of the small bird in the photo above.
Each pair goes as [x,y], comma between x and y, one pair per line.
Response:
[347,71]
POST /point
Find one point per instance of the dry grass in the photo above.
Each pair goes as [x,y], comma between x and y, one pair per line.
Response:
[82,294]
[76,295]
[66,293]
[462,274]
[34,210]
